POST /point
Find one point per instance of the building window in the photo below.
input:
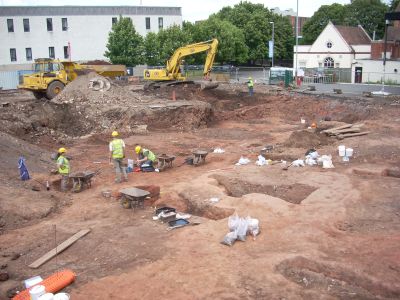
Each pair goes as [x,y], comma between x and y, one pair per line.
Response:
[329,62]
[51,52]
[10,25]
[329,45]
[28,52]
[26,25]
[13,54]
[114,21]
[147,23]
[66,52]
[160,23]
[64,24]
[49,24]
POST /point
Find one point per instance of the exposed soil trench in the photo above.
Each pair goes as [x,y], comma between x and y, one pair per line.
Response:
[293,193]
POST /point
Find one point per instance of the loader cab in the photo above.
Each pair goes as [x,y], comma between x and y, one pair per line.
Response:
[47,66]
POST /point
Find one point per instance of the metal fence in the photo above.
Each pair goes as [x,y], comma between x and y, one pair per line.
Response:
[9,80]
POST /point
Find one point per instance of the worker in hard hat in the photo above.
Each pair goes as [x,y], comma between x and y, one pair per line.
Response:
[63,168]
[250,85]
[117,155]
[146,158]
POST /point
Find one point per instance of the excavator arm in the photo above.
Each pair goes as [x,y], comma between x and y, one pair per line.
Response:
[172,70]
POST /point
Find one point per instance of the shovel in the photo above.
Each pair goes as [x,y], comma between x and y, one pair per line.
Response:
[287,167]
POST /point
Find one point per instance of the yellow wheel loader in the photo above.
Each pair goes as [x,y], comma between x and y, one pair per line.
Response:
[51,76]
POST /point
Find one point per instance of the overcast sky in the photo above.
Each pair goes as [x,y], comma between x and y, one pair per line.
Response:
[191,10]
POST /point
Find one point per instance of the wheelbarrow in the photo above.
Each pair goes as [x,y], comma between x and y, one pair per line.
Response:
[81,180]
[199,157]
[133,197]
[165,162]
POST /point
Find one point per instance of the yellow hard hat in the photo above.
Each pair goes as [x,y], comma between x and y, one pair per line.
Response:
[115,133]
[62,150]
[137,149]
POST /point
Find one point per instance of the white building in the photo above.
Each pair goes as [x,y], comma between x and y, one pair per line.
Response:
[29,32]
[336,47]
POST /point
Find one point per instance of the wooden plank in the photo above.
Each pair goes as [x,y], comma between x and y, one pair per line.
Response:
[64,245]
[342,136]
[338,128]
[348,130]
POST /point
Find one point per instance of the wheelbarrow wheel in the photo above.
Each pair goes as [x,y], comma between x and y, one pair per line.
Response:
[126,203]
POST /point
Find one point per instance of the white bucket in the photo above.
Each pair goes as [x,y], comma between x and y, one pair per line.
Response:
[47,296]
[61,296]
[349,152]
[37,291]
[342,150]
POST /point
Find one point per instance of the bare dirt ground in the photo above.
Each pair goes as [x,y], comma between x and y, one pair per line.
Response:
[325,233]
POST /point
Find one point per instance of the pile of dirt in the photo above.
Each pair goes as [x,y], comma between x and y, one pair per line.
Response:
[307,139]
[89,110]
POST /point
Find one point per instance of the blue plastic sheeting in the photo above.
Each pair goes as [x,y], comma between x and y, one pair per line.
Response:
[23,170]
[9,80]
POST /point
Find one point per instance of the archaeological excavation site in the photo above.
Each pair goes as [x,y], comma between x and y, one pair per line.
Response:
[284,194]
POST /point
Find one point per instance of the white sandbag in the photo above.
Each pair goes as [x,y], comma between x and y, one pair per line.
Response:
[233,222]
[298,163]
[242,230]
[229,238]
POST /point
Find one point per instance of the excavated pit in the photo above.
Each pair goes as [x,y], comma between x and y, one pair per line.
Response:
[293,193]
[340,282]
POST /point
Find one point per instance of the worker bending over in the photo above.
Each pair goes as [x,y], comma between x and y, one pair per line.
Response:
[63,168]
[146,158]
[250,85]
[117,155]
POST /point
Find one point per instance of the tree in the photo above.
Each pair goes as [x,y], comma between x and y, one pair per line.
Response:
[254,20]
[393,4]
[152,50]
[171,39]
[231,47]
[313,27]
[368,13]
[125,45]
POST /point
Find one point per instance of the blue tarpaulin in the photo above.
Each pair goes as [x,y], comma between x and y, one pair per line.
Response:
[23,170]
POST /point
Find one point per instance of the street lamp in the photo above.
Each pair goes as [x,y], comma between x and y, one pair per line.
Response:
[297,37]
[273,42]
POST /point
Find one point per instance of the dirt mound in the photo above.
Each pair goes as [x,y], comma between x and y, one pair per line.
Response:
[307,139]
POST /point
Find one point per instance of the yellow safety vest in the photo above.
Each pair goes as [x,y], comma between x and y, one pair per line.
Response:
[117,148]
[150,155]
[63,169]
[250,83]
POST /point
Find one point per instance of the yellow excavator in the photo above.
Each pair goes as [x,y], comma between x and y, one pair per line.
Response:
[172,74]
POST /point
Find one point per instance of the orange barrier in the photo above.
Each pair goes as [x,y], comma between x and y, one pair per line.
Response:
[52,284]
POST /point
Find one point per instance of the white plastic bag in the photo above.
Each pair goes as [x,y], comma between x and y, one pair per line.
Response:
[242,230]
[253,227]
[261,161]
[310,161]
[219,150]
[229,238]
[233,222]
[243,161]
[298,163]
[326,161]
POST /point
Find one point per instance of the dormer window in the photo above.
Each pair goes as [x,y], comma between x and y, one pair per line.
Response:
[329,45]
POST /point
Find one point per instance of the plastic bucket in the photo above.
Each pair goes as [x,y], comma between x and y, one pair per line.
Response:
[61,296]
[47,296]
[349,152]
[342,150]
[37,291]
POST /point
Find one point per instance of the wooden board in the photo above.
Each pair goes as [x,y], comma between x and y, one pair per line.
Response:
[64,245]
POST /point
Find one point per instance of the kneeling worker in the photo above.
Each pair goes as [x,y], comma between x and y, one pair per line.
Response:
[63,168]
[146,158]
[117,155]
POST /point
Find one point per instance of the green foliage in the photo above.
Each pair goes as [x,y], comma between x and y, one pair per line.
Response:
[171,39]
[125,45]
[231,47]
[393,5]
[368,13]
[313,27]
[254,20]
[152,49]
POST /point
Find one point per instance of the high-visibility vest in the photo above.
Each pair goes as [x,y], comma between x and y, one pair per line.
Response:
[117,148]
[150,155]
[250,83]
[63,163]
